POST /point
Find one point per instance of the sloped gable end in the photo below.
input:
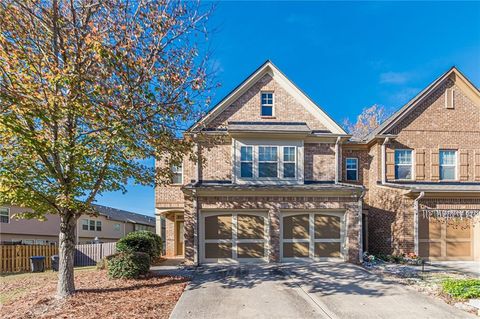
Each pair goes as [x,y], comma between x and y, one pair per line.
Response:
[451,102]
[290,104]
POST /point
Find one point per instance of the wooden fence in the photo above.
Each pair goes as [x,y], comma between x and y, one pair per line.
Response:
[90,254]
[16,258]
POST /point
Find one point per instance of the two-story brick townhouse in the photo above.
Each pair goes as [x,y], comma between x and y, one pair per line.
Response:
[423,161]
[266,184]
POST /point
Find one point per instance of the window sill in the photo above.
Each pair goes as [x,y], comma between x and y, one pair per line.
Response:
[267,117]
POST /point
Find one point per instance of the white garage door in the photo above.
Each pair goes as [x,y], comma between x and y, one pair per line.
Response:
[234,237]
[313,236]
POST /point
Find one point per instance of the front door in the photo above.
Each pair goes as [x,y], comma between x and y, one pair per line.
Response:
[180,247]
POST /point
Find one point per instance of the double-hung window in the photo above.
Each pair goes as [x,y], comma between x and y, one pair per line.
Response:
[84,224]
[448,165]
[352,168]
[403,164]
[289,161]
[267,104]
[99,225]
[267,161]
[246,161]
[4,215]
[177,174]
[92,225]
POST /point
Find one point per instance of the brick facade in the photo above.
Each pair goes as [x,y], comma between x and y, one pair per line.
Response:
[426,129]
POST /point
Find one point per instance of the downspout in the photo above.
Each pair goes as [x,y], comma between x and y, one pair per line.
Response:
[337,158]
[384,164]
[360,224]
[196,241]
[415,222]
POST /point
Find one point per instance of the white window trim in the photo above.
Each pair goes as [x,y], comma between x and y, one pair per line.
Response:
[412,164]
[295,161]
[181,172]
[350,169]
[299,158]
[272,105]
[279,163]
[252,161]
[8,212]
[455,166]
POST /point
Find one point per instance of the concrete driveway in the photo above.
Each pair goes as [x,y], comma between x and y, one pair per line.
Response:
[314,290]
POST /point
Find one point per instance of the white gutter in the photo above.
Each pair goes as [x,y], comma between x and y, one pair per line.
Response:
[384,164]
[337,157]
[415,222]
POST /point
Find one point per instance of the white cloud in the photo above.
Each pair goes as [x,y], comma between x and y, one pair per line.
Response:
[394,77]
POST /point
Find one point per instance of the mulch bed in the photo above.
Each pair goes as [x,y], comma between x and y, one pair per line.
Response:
[96,297]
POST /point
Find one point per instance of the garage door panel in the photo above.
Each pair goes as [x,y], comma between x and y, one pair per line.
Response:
[218,227]
[218,250]
[445,241]
[251,250]
[296,227]
[298,250]
[331,250]
[460,230]
[429,229]
[458,249]
[250,227]
[327,227]
[432,249]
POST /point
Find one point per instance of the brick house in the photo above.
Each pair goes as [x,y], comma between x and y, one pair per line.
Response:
[276,179]
[424,161]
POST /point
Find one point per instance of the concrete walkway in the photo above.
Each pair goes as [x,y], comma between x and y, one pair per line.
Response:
[315,290]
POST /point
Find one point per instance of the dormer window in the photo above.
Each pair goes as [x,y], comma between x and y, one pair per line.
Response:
[267,104]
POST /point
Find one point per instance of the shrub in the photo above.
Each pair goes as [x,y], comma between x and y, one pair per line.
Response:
[129,265]
[103,263]
[462,288]
[141,241]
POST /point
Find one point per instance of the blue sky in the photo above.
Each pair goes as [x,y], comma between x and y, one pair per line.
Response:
[346,56]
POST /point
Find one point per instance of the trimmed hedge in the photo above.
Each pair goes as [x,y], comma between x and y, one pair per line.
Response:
[141,241]
[128,265]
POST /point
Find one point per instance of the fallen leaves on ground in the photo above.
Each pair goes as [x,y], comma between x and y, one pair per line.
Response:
[96,297]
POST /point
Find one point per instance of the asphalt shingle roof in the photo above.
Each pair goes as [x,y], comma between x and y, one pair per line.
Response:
[123,215]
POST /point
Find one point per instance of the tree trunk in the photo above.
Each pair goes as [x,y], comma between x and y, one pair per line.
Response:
[66,283]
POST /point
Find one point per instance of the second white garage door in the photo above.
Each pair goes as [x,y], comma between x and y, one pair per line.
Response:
[313,236]
[233,237]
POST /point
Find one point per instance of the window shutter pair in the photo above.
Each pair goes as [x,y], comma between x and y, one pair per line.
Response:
[420,164]
[390,163]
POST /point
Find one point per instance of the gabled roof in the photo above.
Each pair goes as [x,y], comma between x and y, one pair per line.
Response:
[269,68]
[123,215]
[413,103]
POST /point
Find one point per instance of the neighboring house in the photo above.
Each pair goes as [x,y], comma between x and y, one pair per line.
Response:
[278,180]
[423,161]
[266,183]
[109,225]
